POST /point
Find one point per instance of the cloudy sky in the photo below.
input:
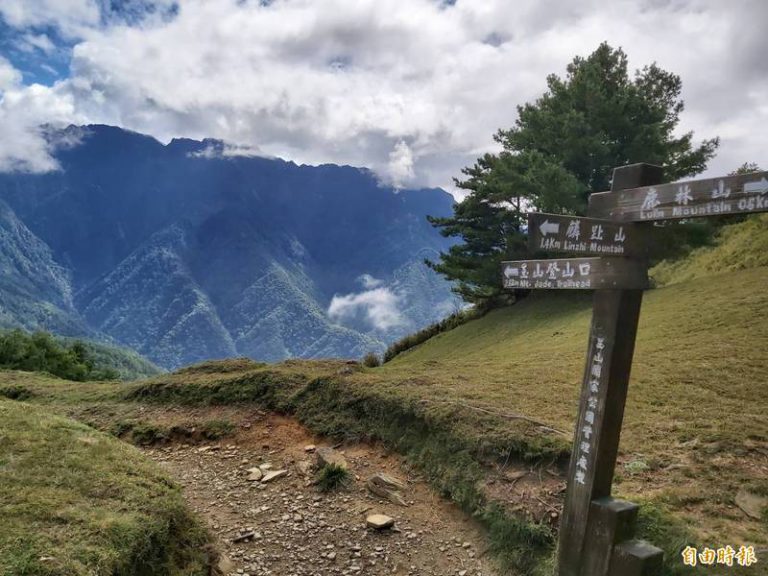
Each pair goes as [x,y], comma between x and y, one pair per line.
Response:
[414,89]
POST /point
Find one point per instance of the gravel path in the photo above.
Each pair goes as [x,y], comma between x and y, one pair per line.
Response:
[287,527]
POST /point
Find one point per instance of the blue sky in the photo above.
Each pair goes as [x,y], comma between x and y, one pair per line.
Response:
[413,89]
[39,52]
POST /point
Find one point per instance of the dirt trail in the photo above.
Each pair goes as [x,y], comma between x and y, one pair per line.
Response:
[297,530]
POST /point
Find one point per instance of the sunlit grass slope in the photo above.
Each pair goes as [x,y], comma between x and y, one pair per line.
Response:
[738,247]
[74,501]
[696,424]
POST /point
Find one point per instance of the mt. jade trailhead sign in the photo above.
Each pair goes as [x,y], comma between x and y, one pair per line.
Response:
[597,531]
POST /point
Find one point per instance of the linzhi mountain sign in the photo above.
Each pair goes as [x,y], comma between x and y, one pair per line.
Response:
[709,197]
[579,235]
[575,274]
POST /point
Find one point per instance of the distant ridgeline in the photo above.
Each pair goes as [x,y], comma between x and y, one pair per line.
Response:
[184,252]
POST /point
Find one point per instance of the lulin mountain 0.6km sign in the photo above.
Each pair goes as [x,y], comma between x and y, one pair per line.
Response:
[694,199]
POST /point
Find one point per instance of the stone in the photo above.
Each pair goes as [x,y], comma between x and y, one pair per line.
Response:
[310,448]
[225,565]
[304,467]
[273,475]
[379,521]
[255,474]
[244,537]
[388,487]
[330,457]
[751,504]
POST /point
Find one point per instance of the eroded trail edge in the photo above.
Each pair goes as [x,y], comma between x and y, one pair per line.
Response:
[287,526]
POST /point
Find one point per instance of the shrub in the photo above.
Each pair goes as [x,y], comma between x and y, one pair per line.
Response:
[371,360]
[216,429]
[16,392]
[120,428]
[447,323]
[332,477]
[144,434]
[41,352]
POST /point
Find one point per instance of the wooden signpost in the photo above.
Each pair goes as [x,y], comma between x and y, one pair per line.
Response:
[711,197]
[575,274]
[596,530]
[577,235]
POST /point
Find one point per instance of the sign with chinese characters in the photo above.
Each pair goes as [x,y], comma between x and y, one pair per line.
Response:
[574,274]
[578,235]
[589,436]
[585,427]
[694,199]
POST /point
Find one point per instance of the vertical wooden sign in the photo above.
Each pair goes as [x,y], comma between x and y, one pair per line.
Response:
[603,395]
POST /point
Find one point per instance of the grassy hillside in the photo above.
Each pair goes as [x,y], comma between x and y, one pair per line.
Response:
[695,431]
[738,247]
[699,366]
[501,391]
[74,501]
[486,410]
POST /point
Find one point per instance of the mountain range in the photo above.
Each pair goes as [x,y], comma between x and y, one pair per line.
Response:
[187,251]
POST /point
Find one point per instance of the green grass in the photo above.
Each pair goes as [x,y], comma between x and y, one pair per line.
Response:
[504,387]
[74,501]
[739,247]
[332,477]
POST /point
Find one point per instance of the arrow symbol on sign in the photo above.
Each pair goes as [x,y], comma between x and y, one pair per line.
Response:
[756,187]
[548,227]
[510,272]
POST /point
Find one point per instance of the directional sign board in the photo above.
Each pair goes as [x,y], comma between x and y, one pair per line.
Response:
[577,235]
[575,274]
[693,199]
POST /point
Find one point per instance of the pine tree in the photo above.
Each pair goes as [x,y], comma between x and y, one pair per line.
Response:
[563,147]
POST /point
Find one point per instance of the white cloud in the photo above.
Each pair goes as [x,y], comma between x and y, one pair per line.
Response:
[410,88]
[23,111]
[400,168]
[218,149]
[39,41]
[378,307]
[9,76]
[71,17]
[369,281]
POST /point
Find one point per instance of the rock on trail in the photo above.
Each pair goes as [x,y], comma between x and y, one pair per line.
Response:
[256,494]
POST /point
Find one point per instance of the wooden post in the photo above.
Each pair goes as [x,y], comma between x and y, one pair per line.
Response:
[604,392]
[636,558]
[611,521]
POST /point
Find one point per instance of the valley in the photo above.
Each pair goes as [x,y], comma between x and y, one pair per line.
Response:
[184,254]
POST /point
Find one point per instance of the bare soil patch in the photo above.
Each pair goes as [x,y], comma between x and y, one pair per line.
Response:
[289,527]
